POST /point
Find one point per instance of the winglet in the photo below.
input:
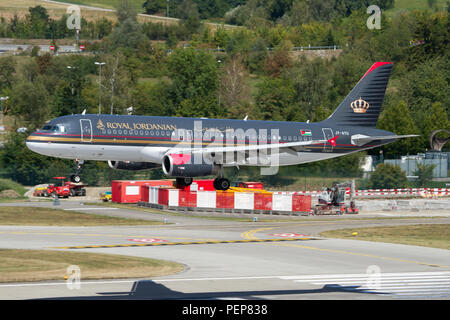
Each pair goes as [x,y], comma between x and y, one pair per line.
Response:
[332,141]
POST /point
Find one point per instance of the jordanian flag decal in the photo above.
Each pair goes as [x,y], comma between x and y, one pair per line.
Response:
[306,132]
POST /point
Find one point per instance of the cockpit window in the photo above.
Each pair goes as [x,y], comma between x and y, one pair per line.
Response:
[55,128]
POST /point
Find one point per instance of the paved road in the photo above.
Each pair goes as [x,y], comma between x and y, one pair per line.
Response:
[225,259]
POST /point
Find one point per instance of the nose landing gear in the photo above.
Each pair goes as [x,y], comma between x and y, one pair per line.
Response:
[78,167]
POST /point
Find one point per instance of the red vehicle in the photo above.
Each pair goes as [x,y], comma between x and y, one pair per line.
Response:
[76,189]
[59,191]
[249,185]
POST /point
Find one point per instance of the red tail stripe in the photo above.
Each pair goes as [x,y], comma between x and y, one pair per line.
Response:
[375,66]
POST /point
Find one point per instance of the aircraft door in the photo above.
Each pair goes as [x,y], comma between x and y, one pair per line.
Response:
[327,135]
[86,130]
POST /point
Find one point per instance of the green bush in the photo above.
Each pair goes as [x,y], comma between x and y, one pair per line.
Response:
[7,184]
[387,176]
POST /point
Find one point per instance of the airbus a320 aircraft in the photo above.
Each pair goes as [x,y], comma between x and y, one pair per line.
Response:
[191,147]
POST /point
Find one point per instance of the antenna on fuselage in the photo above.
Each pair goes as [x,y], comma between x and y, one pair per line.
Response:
[84,112]
[246,117]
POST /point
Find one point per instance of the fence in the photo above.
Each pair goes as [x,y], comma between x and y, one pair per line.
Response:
[226,201]
[410,166]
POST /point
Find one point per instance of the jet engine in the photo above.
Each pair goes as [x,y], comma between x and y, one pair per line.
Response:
[128,165]
[181,165]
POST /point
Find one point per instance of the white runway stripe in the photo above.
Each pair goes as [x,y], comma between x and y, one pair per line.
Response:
[400,285]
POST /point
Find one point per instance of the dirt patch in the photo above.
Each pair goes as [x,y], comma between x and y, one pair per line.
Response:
[9,194]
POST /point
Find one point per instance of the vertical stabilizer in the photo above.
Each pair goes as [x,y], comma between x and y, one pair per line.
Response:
[362,105]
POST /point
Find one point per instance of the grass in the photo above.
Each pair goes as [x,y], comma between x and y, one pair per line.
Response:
[406,5]
[201,215]
[7,184]
[55,217]
[38,265]
[9,8]
[108,4]
[427,235]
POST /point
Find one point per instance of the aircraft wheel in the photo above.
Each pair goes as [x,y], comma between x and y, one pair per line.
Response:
[75,178]
[185,181]
[221,184]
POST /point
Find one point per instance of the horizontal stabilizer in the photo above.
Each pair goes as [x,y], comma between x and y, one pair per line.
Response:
[360,139]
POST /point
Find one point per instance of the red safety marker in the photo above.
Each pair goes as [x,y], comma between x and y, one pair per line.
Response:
[52,48]
[148,240]
[288,235]
[81,47]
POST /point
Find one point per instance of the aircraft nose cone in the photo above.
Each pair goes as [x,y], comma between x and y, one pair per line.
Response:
[31,144]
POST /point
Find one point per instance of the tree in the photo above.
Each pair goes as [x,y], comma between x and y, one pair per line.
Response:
[152,99]
[275,100]
[154,6]
[387,176]
[424,173]
[311,81]
[234,85]
[7,69]
[188,12]
[29,103]
[397,119]
[25,166]
[425,85]
[278,60]
[127,35]
[194,78]
[435,120]
[125,11]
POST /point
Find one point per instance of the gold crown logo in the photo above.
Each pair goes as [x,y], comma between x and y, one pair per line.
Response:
[100,125]
[359,106]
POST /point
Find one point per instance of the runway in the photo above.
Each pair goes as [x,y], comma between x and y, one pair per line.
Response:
[240,260]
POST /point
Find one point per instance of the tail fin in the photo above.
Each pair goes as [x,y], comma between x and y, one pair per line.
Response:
[362,105]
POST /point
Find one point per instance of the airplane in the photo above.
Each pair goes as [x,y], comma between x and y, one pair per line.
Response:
[191,147]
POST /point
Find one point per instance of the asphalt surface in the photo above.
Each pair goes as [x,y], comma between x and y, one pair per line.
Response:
[240,260]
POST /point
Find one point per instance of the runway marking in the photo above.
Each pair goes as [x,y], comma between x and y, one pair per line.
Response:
[148,240]
[182,243]
[398,285]
[251,235]
[88,208]
[334,282]
[126,236]
[364,255]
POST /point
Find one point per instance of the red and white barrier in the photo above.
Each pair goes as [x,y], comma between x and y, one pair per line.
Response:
[278,201]
[422,192]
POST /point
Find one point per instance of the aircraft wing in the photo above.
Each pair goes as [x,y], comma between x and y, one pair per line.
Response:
[218,148]
[361,139]
[221,149]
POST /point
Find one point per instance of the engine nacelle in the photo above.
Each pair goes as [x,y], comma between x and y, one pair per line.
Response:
[181,165]
[128,165]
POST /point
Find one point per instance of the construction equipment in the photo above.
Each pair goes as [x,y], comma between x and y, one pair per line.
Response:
[57,191]
[76,189]
[332,201]
[106,196]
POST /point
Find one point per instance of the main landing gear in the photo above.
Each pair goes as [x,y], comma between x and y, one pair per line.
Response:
[184,181]
[221,183]
[78,167]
